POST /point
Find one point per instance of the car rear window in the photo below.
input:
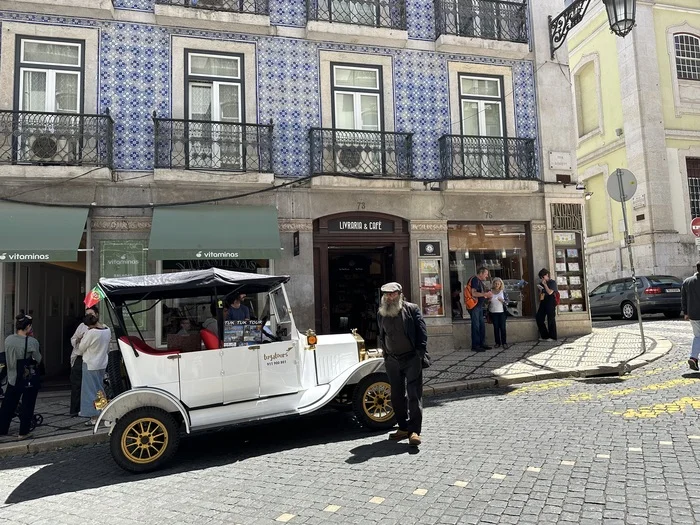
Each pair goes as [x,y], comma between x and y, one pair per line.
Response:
[664,279]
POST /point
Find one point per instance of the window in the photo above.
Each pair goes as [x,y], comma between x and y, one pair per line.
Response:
[586,88]
[503,249]
[687,56]
[214,103]
[50,76]
[693,166]
[600,290]
[356,98]
[596,207]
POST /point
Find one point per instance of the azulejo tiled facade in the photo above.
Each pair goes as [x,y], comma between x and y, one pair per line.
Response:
[135,80]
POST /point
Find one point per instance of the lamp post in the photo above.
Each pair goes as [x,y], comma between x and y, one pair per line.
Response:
[621,17]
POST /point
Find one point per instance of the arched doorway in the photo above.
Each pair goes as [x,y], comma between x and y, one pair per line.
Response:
[354,253]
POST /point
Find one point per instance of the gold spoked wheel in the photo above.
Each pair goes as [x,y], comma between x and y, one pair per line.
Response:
[144,440]
[377,402]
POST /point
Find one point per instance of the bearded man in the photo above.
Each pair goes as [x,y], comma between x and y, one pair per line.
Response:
[403,339]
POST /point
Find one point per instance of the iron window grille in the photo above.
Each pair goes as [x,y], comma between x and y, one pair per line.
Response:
[693,166]
[473,157]
[687,56]
[216,146]
[361,153]
[566,216]
[41,138]
[256,7]
[488,19]
[389,14]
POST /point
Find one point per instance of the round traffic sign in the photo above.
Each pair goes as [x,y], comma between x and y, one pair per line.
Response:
[695,226]
[622,184]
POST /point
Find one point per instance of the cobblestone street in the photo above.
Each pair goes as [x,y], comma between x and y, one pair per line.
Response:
[597,450]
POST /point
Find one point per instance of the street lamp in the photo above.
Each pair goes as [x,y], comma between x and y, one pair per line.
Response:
[621,15]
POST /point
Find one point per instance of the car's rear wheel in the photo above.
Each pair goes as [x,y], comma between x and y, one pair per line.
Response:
[672,315]
[144,439]
[629,312]
[371,402]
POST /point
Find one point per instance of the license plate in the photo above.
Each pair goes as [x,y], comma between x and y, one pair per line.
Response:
[673,290]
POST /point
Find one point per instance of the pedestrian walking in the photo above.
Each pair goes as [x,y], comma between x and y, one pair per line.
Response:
[474,299]
[403,339]
[93,347]
[497,311]
[690,304]
[76,363]
[548,306]
[22,355]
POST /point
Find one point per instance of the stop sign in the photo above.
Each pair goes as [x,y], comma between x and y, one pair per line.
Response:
[695,226]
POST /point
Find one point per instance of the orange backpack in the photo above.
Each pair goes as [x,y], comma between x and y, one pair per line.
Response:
[469,300]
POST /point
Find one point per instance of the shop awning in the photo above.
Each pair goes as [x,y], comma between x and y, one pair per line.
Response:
[40,233]
[214,232]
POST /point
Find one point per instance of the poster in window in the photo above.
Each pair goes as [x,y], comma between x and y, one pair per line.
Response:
[564,294]
[563,308]
[561,280]
[577,308]
[573,267]
[572,252]
[429,266]
[564,238]
[575,280]
[560,254]
[576,294]
[561,267]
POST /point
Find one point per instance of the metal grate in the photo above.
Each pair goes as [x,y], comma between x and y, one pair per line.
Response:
[218,146]
[566,216]
[361,153]
[258,7]
[390,14]
[471,157]
[693,166]
[40,138]
[489,19]
[687,57]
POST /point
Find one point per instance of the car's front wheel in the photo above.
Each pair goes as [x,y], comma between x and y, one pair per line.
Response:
[144,439]
[371,402]
[629,312]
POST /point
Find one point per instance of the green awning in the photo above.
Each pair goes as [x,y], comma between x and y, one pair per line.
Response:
[214,232]
[40,233]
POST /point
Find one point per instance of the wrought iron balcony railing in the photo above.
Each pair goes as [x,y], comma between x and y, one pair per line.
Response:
[489,19]
[389,14]
[361,153]
[40,138]
[219,146]
[469,157]
[255,7]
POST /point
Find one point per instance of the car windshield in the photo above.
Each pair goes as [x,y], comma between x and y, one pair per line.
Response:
[664,279]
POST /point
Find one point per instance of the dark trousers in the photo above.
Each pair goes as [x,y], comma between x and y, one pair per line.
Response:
[76,382]
[550,313]
[499,327]
[478,327]
[9,406]
[406,380]
[3,370]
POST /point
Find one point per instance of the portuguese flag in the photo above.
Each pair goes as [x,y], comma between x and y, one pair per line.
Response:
[93,297]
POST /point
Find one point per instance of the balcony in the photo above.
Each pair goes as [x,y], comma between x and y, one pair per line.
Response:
[55,139]
[470,157]
[481,25]
[212,146]
[246,15]
[366,154]
[365,21]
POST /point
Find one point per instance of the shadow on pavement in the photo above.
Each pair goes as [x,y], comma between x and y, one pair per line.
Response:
[379,449]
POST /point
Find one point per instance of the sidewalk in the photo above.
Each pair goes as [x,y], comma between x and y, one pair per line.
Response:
[455,370]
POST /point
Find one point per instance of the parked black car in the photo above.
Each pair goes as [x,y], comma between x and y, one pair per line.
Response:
[657,294]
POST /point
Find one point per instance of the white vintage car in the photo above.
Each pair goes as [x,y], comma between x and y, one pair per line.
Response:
[203,380]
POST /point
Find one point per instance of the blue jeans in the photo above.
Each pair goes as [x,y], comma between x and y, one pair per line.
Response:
[695,350]
[478,327]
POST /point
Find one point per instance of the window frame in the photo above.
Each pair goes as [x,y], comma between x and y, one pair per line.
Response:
[676,57]
[694,174]
[481,100]
[356,92]
[50,70]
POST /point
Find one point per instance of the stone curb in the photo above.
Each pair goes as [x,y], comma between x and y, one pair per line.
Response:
[661,348]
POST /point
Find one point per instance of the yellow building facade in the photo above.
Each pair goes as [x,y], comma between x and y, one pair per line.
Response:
[637,104]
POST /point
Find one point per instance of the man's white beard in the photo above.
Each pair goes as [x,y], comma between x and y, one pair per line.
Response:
[387,309]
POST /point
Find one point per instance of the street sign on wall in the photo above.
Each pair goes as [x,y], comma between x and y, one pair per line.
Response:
[695,226]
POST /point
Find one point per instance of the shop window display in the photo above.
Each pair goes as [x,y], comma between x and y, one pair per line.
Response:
[568,268]
[503,250]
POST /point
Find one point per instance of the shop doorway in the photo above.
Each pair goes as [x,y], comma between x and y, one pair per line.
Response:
[354,254]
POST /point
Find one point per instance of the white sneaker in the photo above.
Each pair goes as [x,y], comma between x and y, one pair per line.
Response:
[551,340]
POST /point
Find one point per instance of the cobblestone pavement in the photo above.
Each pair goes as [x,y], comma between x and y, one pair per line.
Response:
[605,450]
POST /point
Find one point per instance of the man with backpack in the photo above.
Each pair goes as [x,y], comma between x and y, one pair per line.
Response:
[549,295]
[474,299]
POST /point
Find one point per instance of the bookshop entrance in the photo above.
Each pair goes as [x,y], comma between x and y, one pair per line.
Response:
[354,254]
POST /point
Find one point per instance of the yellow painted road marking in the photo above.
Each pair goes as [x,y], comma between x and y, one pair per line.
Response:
[460,484]
[376,500]
[533,469]
[635,449]
[673,383]
[666,443]
[693,437]
[332,508]
[660,408]
[284,518]
[539,387]
[420,492]
[568,463]
[498,476]
[603,456]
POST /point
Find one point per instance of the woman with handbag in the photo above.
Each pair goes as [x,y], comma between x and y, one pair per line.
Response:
[93,347]
[22,356]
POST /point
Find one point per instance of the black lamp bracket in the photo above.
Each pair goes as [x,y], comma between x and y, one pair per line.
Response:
[564,22]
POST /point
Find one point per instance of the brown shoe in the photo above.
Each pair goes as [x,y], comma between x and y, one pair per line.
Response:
[398,435]
[414,439]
